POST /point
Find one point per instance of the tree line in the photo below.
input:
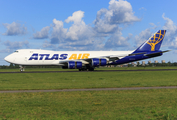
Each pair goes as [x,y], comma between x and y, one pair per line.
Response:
[168,64]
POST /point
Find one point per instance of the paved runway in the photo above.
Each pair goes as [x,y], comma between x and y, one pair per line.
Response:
[92,71]
[91,89]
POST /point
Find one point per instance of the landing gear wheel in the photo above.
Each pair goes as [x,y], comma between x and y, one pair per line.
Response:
[91,69]
[21,68]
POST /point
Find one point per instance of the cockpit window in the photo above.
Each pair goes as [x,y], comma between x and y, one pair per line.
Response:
[16,51]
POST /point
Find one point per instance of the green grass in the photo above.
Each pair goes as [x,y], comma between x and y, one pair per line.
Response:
[101,68]
[135,68]
[91,105]
[157,104]
[36,69]
[87,80]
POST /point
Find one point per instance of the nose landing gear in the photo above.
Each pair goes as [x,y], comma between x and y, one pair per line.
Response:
[21,68]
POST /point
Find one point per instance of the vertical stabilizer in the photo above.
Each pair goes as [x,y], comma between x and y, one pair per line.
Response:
[153,44]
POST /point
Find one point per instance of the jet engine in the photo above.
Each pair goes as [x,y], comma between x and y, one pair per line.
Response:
[74,64]
[99,62]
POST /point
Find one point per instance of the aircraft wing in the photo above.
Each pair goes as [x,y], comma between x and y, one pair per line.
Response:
[76,60]
[110,58]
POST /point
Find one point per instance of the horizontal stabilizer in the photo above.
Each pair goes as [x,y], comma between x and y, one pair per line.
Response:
[154,54]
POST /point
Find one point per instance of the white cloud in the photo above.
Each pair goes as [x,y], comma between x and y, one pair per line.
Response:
[104,34]
[11,46]
[173,44]
[170,37]
[58,32]
[119,12]
[79,30]
[16,45]
[117,40]
[14,29]
[77,36]
[47,44]
[43,34]
[88,44]
[143,36]
[171,34]
[76,17]
[170,27]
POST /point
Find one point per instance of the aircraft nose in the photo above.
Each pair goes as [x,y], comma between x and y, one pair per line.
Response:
[7,59]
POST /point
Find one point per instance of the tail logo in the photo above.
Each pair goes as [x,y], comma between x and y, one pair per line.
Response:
[153,41]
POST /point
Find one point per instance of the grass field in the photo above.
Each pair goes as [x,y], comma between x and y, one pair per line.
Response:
[101,68]
[89,105]
[87,80]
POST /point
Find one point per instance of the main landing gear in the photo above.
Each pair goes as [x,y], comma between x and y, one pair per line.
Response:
[21,68]
[87,69]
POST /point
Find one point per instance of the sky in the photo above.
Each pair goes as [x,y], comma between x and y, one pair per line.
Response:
[86,25]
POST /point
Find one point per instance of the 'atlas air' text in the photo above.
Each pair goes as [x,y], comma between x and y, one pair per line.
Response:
[37,56]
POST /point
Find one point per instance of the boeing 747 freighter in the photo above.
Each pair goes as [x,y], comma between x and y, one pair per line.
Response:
[87,60]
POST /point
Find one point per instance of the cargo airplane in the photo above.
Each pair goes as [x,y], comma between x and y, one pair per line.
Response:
[87,60]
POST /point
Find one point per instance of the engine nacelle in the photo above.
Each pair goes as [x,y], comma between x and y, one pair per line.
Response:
[74,65]
[99,62]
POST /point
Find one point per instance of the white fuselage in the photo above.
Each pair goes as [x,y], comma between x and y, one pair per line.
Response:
[48,57]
